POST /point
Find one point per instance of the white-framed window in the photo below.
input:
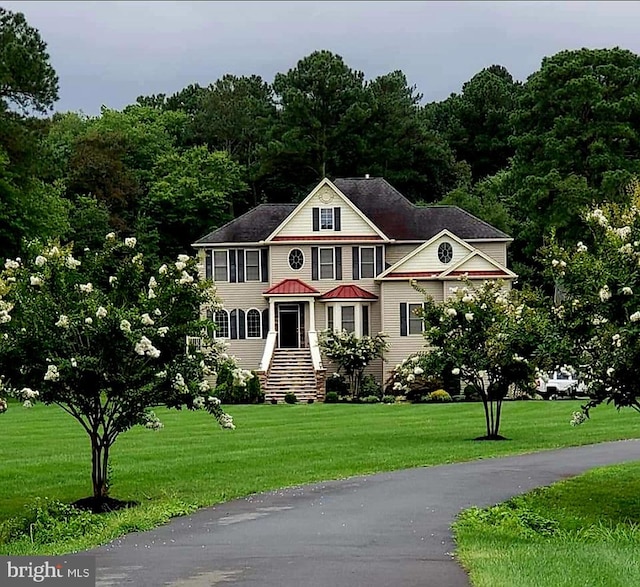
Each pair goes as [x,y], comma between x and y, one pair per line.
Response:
[296,259]
[254,323]
[445,252]
[348,318]
[330,317]
[221,319]
[326,218]
[326,260]
[414,322]
[252,265]
[220,266]
[367,262]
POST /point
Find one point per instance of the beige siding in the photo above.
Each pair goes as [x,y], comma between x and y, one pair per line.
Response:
[427,258]
[497,251]
[476,263]
[248,352]
[351,223]
[396,252]
[394,293]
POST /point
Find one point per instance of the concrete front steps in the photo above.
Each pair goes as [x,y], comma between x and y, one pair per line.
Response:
[291,371]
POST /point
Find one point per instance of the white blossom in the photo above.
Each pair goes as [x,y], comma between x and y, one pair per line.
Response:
[86,287]
[40,260]
[204,385]
[35,280]
[198,402]
[72,263]
[627,291]
[152,282]
[88,320]
[74,362]
[130,242]
[157,312]
[469,316]
[28,393]
[582,248]
[180,265]
[101,312]
[125,326]
[418,370]
[145,347]
[214,400]
[604,293]
[52,373]
[146,320]
[163,269]
[183,258]
[578,418]
[112,279]
[162,331]
[110,236]
[63,321]
[451,312]
[185,278]
[455,371]
[11,264]
[137,259]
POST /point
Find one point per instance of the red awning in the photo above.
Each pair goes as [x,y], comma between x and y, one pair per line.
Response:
[291,287]
[349,292]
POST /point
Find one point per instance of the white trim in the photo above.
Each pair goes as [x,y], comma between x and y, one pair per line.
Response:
[409,333]
[303,258]
[373,248]
[347,202]
[215,332]
[213,265]
[418,250]
[333,263]
[471,255]
[333,219]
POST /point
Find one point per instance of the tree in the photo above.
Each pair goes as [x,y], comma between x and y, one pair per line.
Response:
[598,304]
[352,354]
[576,139]
[493,337]
[103,338]
[27,80]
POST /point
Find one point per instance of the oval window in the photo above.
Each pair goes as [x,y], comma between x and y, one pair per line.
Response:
[445,252]
[296,259]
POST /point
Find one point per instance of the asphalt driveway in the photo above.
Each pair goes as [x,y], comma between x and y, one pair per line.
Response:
[390,529]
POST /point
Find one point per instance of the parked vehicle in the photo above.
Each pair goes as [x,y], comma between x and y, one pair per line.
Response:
[559,383]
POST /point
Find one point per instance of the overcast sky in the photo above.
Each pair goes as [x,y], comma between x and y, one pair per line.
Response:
[111,52]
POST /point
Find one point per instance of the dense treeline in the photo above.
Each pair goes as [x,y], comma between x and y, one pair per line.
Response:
[526,157]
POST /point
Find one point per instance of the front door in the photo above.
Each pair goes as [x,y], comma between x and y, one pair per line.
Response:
[289,326]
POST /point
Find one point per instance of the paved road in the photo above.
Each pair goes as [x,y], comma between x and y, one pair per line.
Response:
[385,530]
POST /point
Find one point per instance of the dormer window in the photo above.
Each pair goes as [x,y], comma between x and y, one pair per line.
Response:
[326,218]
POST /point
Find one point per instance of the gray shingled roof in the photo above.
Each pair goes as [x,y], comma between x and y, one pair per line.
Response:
[398,218]
[252,227]
[385,206]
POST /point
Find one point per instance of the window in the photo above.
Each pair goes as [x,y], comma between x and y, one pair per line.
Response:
[445,252]
[349,318]
[220,266]
[296,259]
[330,317]
[252,265]
[221,319]
[326,218]
[415,321]
[254,324]
[365,320]
[326,264]
[367,262]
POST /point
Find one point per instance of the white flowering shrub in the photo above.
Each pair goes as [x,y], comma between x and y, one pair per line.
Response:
[352,354]
[492,338]
[103,337]
[599,303]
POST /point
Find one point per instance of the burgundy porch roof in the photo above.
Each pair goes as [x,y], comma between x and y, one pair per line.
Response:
[349,292]
[291,287]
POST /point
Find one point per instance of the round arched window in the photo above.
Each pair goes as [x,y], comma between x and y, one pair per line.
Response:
[296,259]
[445,252]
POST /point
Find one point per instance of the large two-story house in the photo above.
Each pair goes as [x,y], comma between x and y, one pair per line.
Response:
[343,258]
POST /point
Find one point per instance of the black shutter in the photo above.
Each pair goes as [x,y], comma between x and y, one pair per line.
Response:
[208,264]
[403,319]
[316,219]
[241,323]
[365,320]
[240,265]
[356,262]
[338,254]
[264,260]
[336,219]
[314,263]
[379,267]
[265,322]
[233,324]
[232,266]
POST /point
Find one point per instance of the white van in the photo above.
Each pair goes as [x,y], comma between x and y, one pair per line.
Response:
[559,382]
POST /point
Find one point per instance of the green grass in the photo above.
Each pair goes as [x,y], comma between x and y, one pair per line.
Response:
[584,531]
[192,463]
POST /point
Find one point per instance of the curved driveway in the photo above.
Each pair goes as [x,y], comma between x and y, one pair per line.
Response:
[389,529]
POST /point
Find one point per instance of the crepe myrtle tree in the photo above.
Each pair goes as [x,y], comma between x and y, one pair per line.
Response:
[352,354]
[492,337]
[104,338]
[598,303]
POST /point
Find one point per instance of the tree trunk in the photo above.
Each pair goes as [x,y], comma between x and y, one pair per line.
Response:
[99,468]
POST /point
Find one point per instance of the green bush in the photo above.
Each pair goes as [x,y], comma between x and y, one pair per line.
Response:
[290,398]
[439,396]
[369,386]
[274,401]
[338,384]
[331,397]
[371,399]
[471,394]
[228,393]
[310,400]
[458,398]
[388,399]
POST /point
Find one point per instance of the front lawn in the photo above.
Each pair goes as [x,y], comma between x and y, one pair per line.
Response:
[584,531]
[192,463]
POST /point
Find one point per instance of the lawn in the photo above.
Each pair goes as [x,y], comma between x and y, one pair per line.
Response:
[584,531]
[192,463]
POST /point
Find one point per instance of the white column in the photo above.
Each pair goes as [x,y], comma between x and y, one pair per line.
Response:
[357,318]
[272,315]
[312,315]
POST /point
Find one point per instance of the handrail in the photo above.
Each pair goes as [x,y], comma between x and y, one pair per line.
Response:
[269,347]
[315,350]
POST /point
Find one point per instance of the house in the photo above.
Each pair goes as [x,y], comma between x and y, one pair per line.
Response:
[343,258]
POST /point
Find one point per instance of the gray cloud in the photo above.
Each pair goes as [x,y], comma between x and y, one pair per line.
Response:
[111,52]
